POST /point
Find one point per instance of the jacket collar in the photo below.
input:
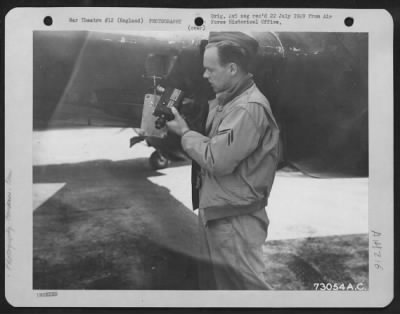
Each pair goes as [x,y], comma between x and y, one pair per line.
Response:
[226,96]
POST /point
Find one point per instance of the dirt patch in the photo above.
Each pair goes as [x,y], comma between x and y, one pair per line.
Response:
[299,264]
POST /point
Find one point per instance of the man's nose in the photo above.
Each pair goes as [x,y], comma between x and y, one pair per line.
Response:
[205,74]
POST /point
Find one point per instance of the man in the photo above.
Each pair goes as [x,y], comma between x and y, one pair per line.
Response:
[238,157]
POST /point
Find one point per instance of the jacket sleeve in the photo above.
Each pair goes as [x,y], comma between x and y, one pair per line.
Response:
[237,137]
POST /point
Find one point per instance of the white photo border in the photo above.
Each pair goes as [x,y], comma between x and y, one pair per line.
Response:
[19,26]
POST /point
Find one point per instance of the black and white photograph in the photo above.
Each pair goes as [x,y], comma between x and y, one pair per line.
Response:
[181,160]
[110,216]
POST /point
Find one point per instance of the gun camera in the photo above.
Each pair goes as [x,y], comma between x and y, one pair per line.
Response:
[170,97]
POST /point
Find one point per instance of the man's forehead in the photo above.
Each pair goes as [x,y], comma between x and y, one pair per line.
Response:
[211,51]
[211,55]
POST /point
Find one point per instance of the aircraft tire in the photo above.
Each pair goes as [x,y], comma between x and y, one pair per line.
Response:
[158,161]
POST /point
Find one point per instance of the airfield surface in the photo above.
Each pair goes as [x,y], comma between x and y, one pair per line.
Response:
[103,219]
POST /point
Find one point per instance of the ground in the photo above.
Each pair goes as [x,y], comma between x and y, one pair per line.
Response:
[103,219]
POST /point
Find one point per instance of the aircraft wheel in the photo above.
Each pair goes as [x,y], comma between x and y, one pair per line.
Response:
[158,161]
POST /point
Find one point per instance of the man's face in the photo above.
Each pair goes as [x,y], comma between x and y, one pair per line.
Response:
[219,76]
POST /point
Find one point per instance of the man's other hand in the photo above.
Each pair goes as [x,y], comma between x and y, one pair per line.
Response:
[178,125]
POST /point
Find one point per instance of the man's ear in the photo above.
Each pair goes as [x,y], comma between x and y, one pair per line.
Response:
[233,68]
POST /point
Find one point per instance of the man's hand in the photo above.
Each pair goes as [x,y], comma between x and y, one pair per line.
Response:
[178,125]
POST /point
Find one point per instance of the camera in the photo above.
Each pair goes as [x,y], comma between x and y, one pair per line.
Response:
[170,97]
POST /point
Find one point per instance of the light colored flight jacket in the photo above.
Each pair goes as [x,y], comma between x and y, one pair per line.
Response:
[238,157]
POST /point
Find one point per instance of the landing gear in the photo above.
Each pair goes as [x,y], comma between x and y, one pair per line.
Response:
[158,161]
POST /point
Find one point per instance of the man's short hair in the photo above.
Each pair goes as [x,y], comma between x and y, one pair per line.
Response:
[229,51]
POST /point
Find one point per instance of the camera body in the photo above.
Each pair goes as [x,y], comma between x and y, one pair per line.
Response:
[170,97]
